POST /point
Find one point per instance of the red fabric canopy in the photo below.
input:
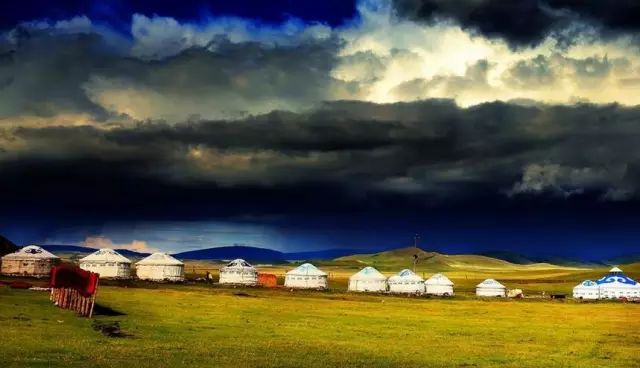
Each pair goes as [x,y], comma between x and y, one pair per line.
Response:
[73,277]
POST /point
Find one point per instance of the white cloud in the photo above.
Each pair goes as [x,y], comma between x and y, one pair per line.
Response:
[153,72]
[160,37]
[100,242]
[412,51]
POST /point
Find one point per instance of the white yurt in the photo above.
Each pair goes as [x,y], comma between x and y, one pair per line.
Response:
[617,285]
[238,271]
[368,279]
[490,287]
[587,289]
[406,281]
[108,263]
[306,276]
[439,284]
[160,267]
[31,260]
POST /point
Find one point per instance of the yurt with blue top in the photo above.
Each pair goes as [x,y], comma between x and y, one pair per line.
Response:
[368,279]
[406,282]
[306,276]
[617,285]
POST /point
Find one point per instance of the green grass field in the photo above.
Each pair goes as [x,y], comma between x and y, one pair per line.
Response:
[207,326]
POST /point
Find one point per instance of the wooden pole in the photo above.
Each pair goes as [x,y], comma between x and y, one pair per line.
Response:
[85,310]
[93,301]
[69,298]
[81,306]
[64,298]
[76,302]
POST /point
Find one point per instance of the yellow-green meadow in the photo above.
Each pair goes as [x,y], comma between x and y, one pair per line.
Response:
[201,325]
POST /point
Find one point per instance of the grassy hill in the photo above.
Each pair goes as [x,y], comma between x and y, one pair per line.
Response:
[631,268]
[433,261]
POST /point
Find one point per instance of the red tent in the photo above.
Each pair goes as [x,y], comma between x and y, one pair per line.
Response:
[267,280]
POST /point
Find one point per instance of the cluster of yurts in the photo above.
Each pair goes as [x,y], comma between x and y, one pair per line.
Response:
[35,261]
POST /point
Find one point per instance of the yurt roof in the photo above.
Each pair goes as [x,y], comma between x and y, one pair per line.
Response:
[439,279]
[490,283]
[306,269]
[616,277]
[588,283]
[368,273]
[105,255]
[30,252]
[159,259]
[238,264]
[406,274]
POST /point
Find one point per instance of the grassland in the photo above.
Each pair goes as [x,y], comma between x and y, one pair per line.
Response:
[466,271]
[200,325]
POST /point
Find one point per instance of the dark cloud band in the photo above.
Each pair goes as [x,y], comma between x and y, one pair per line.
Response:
[527,22]
[428,153]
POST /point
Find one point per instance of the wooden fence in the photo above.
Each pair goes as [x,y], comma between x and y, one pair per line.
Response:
[67,298]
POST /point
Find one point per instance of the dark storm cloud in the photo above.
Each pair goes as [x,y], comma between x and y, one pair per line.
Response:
[48,72]
[43,75]
[232,78]
[342,156]
[527,22]
[542,72]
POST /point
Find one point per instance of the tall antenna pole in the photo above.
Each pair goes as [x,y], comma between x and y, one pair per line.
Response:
[415,246]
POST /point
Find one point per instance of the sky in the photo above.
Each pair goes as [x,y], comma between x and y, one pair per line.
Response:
[479,124]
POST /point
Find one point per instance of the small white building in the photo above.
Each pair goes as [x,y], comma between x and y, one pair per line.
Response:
[368,279]
[406,282]
[491,287]
[617,285]
[108,263]
[587,289]
[31,260]
[160,267]
[439,284]
[306,276]
[238,272]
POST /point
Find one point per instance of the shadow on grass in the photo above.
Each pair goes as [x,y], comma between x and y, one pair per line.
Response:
[242,294]
[102,310]
[109,328]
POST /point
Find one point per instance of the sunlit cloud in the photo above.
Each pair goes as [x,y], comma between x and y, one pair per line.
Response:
[100,242]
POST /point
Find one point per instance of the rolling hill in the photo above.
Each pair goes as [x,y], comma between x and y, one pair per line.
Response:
[403,258]
[386,260]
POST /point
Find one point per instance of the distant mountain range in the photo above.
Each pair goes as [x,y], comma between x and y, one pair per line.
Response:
[86,250]
[261,254]
[223,253]
[255,254]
